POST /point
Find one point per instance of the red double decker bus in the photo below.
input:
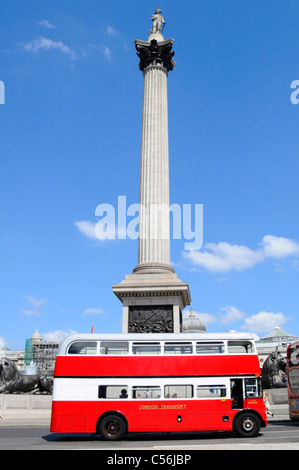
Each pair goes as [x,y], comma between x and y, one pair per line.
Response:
[117,384]
[293,379]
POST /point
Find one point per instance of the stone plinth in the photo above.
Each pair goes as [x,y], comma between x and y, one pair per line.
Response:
[152,303]
[23,407]
[278,396]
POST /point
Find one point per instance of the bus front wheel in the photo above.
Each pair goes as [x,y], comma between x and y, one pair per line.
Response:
[112,428]
[247,425]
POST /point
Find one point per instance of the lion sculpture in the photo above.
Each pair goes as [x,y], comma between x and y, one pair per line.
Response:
[272,368]
[12,381]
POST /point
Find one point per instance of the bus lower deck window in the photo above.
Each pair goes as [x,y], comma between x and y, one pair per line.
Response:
[113,392]
[211,391]
[146,392]
[253,388]
[178,391]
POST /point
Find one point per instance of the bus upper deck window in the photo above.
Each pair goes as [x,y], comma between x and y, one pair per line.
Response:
[114,348]
[178,348]
[83,347]
[240,347]
[144,349]
[210,348]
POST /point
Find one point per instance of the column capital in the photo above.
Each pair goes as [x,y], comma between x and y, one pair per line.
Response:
[155,53]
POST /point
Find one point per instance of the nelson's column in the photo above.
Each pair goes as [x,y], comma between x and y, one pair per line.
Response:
[153,297]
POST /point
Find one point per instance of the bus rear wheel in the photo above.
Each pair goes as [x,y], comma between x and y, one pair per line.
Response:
[247,425]
[112,428]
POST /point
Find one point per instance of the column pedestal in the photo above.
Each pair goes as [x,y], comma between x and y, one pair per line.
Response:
[152,303]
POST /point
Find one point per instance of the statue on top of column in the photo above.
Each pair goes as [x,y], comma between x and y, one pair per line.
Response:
[158,22]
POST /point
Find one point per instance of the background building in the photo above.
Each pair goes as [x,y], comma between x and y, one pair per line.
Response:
[41,353]
[193,324]
[276,339]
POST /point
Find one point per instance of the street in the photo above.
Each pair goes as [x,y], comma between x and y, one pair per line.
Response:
[277,436]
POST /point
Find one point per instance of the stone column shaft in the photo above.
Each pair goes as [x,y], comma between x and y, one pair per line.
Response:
[154,240]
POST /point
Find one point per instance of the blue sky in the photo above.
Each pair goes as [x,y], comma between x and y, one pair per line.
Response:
[70,140]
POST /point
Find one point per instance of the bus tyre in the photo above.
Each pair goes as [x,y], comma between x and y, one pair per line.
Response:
[247,425]
[112,428]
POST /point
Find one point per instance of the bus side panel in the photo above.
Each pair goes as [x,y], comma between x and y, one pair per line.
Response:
[177,366]
[78,416]
[91,366]
[179,416]
[145,416]
[187,415]
[68,416]
[143,366]
[258,405]
[76,366]
[243,365]
[210,365]
[227,365]
[214,415]
[155,366]
[157,416]
[140,416]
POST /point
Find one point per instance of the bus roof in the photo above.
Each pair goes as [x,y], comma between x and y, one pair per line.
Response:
[140,337]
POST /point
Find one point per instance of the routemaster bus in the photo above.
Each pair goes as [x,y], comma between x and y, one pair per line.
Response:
[293,379]
[117,384]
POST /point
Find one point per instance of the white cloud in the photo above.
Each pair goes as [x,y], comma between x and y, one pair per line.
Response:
[264,322]
[35,304]
[231,314]
[93,311]
[206,318]
[224,257]
[57,336]
[45,44]
[279,247]
[226,315]
[46,24]
[104,232]
[106,52]
[111,31]
[87,228]
[97,48]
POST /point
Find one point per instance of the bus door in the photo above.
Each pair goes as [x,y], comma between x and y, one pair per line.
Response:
[237,398]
